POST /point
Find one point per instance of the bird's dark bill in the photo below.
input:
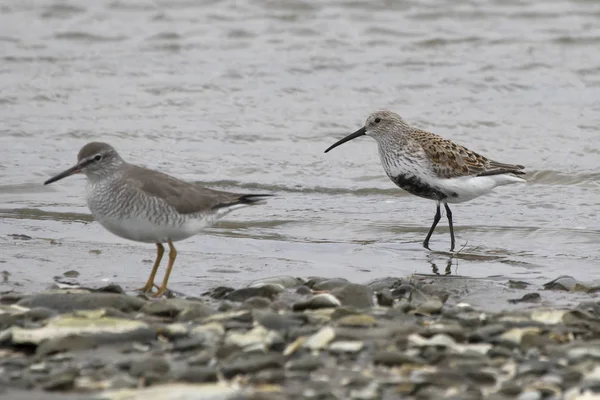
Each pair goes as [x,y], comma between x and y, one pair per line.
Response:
[361,132]
[73,170]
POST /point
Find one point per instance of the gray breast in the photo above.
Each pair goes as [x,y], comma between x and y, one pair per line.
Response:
[114,199]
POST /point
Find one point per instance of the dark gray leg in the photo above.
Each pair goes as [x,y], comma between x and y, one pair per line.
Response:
[449,215]
[436,219]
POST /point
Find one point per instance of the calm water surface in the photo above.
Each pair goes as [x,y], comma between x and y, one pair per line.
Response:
[246,95]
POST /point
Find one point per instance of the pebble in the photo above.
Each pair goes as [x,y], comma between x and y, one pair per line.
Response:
[67,302]
[323,300]
[359,320]
[330,284]
[287,282]
[150,365]
[354,295]
[181,309]
[269,291]
[61,381]
[308,363]
[346,346]
[320,339]
[198,375]
[252,362]
[416,342]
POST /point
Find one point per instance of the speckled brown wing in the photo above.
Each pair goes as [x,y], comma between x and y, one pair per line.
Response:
[185,197]
[450,160]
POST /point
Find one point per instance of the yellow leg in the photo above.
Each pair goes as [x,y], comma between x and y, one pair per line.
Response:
[172,256]
[160,250]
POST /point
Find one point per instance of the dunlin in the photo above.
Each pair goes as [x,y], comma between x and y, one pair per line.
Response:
[148,206]
[429,166]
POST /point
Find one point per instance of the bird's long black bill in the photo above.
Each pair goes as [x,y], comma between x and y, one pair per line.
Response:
[73,170]
[361,132]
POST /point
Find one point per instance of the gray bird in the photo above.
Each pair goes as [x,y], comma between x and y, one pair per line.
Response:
[148,206]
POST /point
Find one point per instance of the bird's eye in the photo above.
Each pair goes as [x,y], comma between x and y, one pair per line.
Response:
[377,120]
[98,157]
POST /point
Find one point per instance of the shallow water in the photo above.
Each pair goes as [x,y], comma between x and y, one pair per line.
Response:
[246,95]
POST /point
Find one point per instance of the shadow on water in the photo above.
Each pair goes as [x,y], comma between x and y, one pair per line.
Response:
[35,214]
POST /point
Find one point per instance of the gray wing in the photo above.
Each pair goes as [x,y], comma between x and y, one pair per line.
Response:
[184,197]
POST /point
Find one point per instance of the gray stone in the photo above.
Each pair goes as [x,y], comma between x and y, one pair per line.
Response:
[219,292]
[150,365]
[283,281]
[385,298]
[527,298]
[252,362]
[563,282]
[268,291]
[354,295]
[39,313]
[178,391]
[256,303]
[61,381]
[303,291]
[267,376]
[307,363]
[93,323]
[66,302]
[330,284]
[183,310]
[66,343]
[198,375]
[323,300]
[429,307]
[394,358]
[389,283]
[280,322]
[188,343]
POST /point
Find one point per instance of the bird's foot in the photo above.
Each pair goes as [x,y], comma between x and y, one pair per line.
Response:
[147,288]
[161,291]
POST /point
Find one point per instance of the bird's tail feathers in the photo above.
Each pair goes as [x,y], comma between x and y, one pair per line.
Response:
[244,200]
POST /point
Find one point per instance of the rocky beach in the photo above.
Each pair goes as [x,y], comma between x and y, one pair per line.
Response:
[418,337]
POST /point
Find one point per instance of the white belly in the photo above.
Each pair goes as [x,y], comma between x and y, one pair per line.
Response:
[141,230]
[468,188]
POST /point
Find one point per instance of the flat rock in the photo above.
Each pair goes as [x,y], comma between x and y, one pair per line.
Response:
[257,338]
[257,303]
[270,291]
[394,358]
[279,322]
[252,362]
[177,391]
[359,321]
[354,295]
[198,375]
[283,281]
[527,298]
[92,323]
[209,334]
[61,381]
[330,284]
[66,343]
[67,302]
[183,310]
[151,365]
[307,363]
[389,283]
[346,346]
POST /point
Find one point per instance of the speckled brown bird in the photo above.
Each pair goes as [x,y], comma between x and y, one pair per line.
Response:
[429,166]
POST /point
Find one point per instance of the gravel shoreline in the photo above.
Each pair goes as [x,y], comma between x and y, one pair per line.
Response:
[291,338]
